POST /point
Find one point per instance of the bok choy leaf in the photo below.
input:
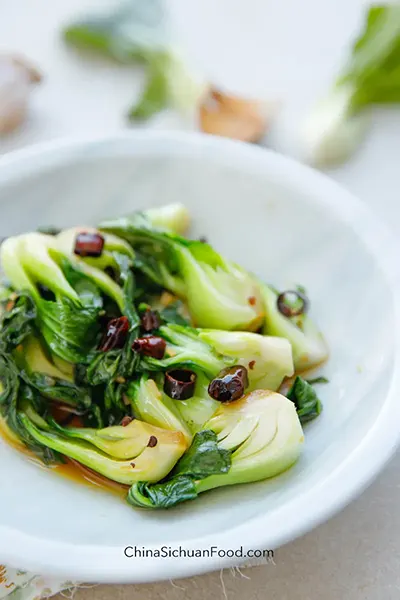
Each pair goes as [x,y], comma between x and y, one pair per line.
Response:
[138,32]
[337,125]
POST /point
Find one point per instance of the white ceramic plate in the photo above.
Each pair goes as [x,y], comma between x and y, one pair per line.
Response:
[288,224]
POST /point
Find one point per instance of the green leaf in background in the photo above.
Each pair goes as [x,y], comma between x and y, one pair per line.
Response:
[137,31]
[374,68]
[307,403]
[132,30]
[338,124]
[155,96]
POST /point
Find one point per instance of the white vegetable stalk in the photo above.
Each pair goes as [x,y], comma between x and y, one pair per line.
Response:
[187,88]
[332,133]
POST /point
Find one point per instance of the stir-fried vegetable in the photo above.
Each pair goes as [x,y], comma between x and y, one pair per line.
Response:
[129,454]
[268,359]
[153,406]
[308,345]
[150,359]
[307,403]
[219,294]
[251,439]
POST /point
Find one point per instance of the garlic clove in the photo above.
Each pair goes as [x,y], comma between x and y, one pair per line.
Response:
[17,76]
[35,76]
[230,116]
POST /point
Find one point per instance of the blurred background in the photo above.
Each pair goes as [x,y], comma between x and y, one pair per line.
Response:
[283,54]
[256,70]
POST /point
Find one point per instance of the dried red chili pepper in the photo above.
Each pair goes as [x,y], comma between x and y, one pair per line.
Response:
[151,345]
[150,320]
[180,384]
[89,244]
[115,335]
[292,303]
[229,384]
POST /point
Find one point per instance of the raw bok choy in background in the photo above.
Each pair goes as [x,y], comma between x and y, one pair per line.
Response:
[338,124]
[137,32]
[150,359]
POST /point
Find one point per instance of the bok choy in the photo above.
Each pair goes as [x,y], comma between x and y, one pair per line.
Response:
[151,360]
[338,124]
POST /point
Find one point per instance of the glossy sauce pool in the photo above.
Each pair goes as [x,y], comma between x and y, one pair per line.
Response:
[71,469]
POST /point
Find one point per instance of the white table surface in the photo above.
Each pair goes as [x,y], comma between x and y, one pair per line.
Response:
[284,50]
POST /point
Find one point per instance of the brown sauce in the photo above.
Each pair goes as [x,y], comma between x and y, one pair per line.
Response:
[74,471]
[305,373]
[71,469]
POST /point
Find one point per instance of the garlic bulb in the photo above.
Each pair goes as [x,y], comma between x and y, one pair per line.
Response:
[16,79]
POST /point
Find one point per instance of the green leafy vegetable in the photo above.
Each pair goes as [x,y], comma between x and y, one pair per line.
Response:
[18,314]
[69,341]
[307,403]
[372,76]
[316,380]
[109,372]
[137,31]
[69,320]
[256,437]
[13,393]
[218,293]
[204,458]
[138,458]
[117,255]
[174,314]
[268,359]
[308,345]
[150,404]
[196,411]
[71,332]
[185,348]
[68,315]
[163,495]
[124,442]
